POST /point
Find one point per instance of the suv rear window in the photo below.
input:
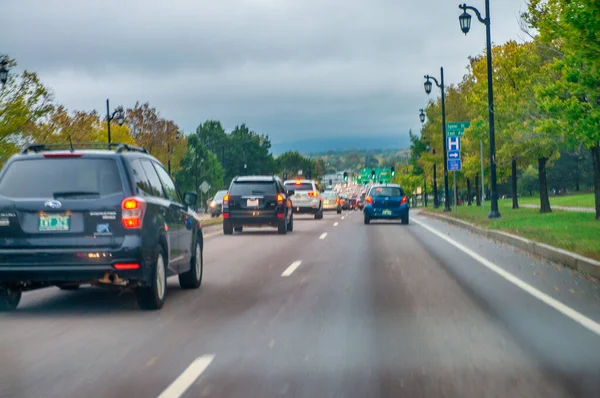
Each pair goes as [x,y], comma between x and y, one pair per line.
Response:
[253,188]
[386,191]
[76,178]
[304,186]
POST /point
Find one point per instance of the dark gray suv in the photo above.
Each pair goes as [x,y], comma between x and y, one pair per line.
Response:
[106,217]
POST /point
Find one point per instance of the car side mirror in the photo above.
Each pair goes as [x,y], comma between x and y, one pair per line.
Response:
[190,199]
[291,192]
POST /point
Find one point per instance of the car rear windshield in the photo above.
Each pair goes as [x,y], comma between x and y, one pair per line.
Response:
[303,186]
[253,188]
[219,195]
[73,178]
[387,191]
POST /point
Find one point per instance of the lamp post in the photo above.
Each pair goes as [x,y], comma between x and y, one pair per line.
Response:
[170,151]
[435,198]
[3,71]
[465,25]
[118,113]
[428,85]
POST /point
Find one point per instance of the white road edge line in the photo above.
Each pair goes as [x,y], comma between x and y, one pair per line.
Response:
[335,224]
[581,319]
[187,378]
[323,235]
[290,270]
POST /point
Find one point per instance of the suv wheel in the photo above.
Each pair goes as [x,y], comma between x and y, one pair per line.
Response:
[227,227]
[404,220]
[319,214]
[290,226]
[9,299]
[282,228]
[367,219]
[193,278]
[152,297]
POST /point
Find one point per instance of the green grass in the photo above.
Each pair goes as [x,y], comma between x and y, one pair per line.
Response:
[576,232]
[212,221]
[580,200]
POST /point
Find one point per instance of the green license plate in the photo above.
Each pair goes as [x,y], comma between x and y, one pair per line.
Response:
[54,222]
[387,212]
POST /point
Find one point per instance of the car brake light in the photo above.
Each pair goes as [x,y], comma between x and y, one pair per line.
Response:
[132,212]
[225,215]
[62,155]
[313,194]
[404,200]
[279,198]
[226,199]
[280,215]
[127,266]
[369,199]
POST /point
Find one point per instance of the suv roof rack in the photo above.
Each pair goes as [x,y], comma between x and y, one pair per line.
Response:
[82,145]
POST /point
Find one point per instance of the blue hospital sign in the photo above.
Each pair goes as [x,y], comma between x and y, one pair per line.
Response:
[453,144]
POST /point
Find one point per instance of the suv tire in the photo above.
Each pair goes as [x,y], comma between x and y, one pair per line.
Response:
[282,228]
[193,278]
[367,220]
[9,299]
[319,214]
[152,297]
[290,226]
[227,228]
[404,220]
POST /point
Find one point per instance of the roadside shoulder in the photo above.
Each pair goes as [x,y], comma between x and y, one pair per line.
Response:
[548,252]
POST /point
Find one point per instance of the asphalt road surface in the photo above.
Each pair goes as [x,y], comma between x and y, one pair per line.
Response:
[334,309]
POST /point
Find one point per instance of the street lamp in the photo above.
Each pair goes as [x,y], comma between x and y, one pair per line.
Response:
[465,25]
[3,71]
[428,86]
[422,115]
[119,114]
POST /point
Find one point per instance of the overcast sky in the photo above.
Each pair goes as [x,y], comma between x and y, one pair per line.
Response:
[294,69]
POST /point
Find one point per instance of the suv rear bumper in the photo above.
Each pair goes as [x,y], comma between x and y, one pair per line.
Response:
[82,265]
[253,217]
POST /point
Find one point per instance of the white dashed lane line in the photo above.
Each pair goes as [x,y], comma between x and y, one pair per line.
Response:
[335,224]
[290,270]
[323,235]
[187,378]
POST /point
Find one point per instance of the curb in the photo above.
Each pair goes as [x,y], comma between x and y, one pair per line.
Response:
[569,259]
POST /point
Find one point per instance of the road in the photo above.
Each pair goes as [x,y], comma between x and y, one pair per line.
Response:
[383,310]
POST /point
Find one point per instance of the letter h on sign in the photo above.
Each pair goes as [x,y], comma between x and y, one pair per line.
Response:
[453,144]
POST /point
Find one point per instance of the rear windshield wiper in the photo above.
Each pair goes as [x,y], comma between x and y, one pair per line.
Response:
[69,194]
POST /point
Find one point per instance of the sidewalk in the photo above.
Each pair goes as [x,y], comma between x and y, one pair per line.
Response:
[564,208]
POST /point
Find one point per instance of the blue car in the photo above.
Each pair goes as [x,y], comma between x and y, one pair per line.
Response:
[386,202]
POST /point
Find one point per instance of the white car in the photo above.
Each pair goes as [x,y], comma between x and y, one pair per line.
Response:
[307,198]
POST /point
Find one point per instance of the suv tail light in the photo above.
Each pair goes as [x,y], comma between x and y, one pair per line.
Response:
[225,206]
[132,212]
[369,199]
[404,200]
[279,199]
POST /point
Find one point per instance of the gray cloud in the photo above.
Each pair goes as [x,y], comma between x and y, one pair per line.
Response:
[291,69]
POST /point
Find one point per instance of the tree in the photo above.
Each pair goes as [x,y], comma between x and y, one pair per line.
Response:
[199,164]
[25,103]
[571,29]
[157,135]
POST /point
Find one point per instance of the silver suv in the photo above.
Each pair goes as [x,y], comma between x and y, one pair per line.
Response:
[307,198]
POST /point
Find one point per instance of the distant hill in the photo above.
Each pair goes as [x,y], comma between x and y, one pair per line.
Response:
[357,143]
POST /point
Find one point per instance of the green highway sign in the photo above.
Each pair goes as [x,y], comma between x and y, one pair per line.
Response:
[456,129]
